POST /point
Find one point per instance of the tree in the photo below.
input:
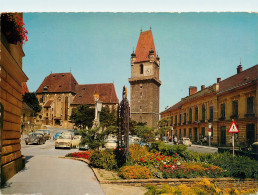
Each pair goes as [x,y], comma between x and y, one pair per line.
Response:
[107,118]
[163,127]
[95,137]
[82,116]
[31,100]
[146,133]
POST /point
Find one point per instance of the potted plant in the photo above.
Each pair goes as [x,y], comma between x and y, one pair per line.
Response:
[12,27]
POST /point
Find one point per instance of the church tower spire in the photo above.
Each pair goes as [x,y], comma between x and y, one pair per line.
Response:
[145,81]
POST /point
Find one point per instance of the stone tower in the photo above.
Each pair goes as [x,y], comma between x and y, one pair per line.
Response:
[144,81]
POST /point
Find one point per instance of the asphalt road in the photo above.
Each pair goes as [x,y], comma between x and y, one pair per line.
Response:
[201,148]
[45,173]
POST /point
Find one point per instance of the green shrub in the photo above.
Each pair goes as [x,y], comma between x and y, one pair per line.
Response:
[104,159]
[168,150]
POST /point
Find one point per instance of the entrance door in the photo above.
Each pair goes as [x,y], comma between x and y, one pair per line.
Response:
[195,134]
[47,121]
[223,135]
[250,135]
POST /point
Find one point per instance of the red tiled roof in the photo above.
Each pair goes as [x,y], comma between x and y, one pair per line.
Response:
[144,45]
[58,82]
[239,79]
[106,91]
[174,107]
[48,104]
[24,88]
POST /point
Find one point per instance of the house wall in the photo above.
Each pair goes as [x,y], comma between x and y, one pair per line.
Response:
[12,76]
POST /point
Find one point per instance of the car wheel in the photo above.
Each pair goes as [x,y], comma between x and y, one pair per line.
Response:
[26,143]
[38,142]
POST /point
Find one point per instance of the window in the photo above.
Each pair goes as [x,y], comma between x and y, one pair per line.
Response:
[171,122]
[180,118]
[141,69]
[203,131]
[222,111]
[180,133]
[176,119]
[190,133]
[250,105]
[203,112]
[211,113]
[184,118]
[41,100]
[234,109]
[190,115]
[184,132]
[196,114]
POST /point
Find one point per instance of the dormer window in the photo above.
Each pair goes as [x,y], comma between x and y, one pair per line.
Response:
[62,75]
[60,85]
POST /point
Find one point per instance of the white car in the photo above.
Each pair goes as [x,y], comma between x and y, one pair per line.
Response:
[111,143]
[64,141]
[76,141]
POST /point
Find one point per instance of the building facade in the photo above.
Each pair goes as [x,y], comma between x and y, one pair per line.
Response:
[233,98]
[144,81]
[11,78]
[59,93]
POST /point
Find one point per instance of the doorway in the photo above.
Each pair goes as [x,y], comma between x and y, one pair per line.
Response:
[195,135]
[250,135]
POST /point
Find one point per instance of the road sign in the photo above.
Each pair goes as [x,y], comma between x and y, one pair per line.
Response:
[233,128]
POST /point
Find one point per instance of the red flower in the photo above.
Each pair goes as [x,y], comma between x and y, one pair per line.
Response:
[169,156]
[175,153]
[175,160]
[157,159]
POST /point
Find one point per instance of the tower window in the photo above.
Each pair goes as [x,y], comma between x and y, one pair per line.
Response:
[141,69]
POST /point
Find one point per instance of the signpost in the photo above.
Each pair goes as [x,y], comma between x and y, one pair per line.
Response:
[172,135]
[233,129]
[210,134]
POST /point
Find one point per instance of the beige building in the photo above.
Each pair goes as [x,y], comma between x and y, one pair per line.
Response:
[144,81]
[59,93]
[233,98]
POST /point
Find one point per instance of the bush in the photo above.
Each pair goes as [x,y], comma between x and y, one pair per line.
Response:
[204,187]
[104,159]
[168,150]
[136,152]
[135,172]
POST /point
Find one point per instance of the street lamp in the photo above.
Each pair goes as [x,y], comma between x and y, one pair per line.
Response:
[210,134]
[98,107]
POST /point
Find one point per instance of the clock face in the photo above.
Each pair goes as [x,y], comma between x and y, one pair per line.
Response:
[148,70]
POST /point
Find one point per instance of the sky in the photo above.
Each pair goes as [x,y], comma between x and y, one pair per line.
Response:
[194,48]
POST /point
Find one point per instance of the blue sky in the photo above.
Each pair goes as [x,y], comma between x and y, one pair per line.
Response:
[194,48]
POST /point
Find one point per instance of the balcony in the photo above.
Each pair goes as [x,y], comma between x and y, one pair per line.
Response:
[249,115]
[189,122]
[210,120]
[178,124]
[222,118]
[202,121]
[234,116]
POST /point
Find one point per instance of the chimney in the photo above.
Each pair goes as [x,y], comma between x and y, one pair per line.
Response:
[192,90]
[239,69]
[202,87]
[218,80]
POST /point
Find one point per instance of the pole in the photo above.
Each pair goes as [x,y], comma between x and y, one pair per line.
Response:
[209,141]
[233,143]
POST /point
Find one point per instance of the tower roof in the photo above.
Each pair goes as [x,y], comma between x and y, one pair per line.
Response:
[144,45]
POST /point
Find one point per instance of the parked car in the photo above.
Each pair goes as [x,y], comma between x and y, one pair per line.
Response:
[57,135]
[186,141]
[83,147]
[64,141]
[35,138]
[165,139]
[45,132]
[111,143]
[76,141]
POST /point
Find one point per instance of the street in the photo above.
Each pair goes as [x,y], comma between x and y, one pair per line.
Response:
[45,173]
[201,148]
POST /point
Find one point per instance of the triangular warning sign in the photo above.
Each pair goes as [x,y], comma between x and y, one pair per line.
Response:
[233,128]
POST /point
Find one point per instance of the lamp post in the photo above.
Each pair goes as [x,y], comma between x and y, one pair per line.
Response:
[172,135]
[210,134]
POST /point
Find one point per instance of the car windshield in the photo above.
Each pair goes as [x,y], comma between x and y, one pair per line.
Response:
[38,134]
[65,137]
[186,139]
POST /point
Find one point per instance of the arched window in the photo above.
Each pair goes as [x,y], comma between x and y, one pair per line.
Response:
[196,113]
[141,69]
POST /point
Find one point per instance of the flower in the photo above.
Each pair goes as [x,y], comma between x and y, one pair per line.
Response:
[176,154]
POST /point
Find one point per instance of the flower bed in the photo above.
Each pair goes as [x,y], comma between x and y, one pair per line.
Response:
[85,155]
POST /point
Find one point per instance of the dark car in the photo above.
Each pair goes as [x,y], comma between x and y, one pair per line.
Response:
[45,132]
[35,138]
